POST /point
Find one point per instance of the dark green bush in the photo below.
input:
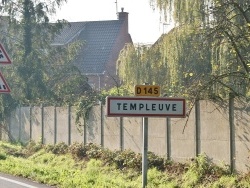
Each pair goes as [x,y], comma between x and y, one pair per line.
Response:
[2,156]
[78,151]
[94,151]
[60,148]
[126,159]
[155,161]
[33,147]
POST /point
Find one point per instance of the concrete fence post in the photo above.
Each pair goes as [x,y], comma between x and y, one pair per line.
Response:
[42,124]
[19,123]
[168,138]
[121,134]
[85,132]
[30,122]
[197,128]
[69,125]
[10,137]
[55,125]
[231,132]
[102,125]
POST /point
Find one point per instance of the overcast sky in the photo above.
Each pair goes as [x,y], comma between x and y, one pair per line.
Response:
[145,25]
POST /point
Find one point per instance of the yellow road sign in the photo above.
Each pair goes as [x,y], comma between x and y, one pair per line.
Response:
[147,90]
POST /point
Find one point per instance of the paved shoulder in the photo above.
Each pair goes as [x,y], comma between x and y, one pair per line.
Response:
[9,181]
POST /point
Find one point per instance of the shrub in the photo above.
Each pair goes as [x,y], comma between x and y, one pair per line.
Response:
[155,161]
[128,159]
[60,148]
[78,151]
[2,156]
[33,147]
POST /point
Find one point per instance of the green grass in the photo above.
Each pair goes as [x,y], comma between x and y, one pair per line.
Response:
[91,166]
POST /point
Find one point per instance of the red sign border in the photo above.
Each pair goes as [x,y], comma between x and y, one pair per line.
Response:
[6,55]
[4,81]
[109,114]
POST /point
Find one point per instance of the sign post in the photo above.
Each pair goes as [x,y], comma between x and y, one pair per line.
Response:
[145,153]
[147,104]
[147,91]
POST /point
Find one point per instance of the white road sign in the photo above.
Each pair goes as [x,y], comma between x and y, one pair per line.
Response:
[4,57]
[4,88]
[145,107]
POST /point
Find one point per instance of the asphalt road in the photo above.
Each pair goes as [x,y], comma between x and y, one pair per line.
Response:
[9,181]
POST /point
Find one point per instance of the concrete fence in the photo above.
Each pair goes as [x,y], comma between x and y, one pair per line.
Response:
[222,132]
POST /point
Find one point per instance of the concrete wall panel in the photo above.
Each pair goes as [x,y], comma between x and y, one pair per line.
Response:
[183,138]
[36,124]
[215,132]
[62,124]
[25,124]
[49,124]
[242,138]
[112,133]
[76,130]
[133,134]
[94,126]
[157,136]
[14,125]
[217,150]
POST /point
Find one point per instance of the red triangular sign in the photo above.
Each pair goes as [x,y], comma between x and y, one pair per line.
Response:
[4,58]
[4,88]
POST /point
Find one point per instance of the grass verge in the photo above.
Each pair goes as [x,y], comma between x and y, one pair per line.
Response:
[90,166]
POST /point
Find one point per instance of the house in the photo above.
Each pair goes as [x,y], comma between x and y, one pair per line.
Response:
[103,41]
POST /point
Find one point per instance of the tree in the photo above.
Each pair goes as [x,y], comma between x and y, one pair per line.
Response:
[39,68]
[175,62]
[206,55]
[223,25]
[133,67]
[40,72]
[230,31]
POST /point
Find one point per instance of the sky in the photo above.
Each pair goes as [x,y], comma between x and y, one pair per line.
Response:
[145,25]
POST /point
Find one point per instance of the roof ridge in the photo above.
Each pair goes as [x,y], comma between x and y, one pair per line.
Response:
[77,34]
[95,21]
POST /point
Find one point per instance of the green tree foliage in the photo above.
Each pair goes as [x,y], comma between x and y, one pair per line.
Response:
[186,60]
[40,70]
[41,73]
[137,64]
[174,62]
[206,55]
[230,31]
[183,12]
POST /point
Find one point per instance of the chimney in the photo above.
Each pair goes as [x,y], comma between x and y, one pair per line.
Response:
[123,16]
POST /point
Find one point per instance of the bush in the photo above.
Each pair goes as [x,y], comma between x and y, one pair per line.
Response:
[155,161]
[128,159]
[33,147]
[60,148]
[78,151]
[2,156]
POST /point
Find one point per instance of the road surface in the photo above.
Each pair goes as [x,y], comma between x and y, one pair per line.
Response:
[9,181]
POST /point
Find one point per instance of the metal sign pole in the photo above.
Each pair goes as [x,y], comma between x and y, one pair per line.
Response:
[145,152]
